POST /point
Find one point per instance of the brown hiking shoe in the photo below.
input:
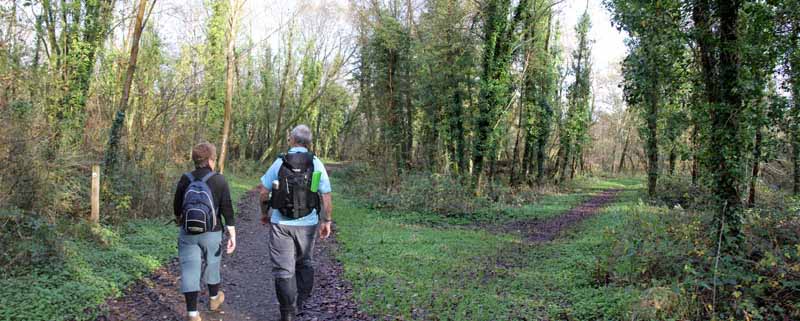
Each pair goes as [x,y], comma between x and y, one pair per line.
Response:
[213,304]
[197,318]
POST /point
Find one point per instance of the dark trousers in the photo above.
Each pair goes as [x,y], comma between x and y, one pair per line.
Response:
[292,256]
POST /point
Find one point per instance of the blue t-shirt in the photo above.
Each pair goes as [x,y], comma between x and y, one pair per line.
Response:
[324,188]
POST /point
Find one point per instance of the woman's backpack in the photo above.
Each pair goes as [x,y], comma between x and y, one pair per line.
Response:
[199,213]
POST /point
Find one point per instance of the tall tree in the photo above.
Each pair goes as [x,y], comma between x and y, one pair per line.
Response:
[790,18]
[235,6]
[84,27]
[539,82]
[650,69]
[717,36]
[578,116]
[499,39]
[115,135]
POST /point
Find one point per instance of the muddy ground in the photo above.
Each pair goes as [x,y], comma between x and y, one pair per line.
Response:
[543,230]
[247,283]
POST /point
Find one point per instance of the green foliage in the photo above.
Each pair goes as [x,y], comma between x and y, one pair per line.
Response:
[500,36]
[663,250]
[30,240]
[93,265]
[436,199]
[578,116]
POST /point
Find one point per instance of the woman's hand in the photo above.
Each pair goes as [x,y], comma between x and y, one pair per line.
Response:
[231,240]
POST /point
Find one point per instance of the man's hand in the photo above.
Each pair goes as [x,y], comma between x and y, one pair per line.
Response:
[264,219]
[231,240]
[324,230]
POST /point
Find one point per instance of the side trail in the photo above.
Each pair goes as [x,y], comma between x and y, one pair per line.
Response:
[544,230]
[247,283]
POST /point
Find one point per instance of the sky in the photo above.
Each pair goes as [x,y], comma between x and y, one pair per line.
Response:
[609,43]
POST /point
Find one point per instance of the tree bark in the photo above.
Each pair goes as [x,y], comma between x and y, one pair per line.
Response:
[119,119]
[723,95]
[694,155]
[652,142]
[282,100]
[751,199]
[230,55]
[624,151]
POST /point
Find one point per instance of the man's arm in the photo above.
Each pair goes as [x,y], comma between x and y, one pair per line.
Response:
[263,202]
[327,207]
[264,189]
[327,199]
[326,218]
[263,193]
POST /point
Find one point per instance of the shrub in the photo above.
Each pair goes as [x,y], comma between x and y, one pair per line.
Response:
[28,240]
[420,192]
[673,250]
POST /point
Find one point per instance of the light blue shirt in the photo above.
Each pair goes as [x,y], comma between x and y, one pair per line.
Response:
[324,188]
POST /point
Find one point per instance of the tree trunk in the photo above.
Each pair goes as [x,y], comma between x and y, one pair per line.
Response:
[796,161]
[673,158]
[794,65]
[725,116]
[694,155]
[276,138]
[513,180]
[567,150]
[541,144]
[624,152]
[230,55]
[751,199]
[119,119]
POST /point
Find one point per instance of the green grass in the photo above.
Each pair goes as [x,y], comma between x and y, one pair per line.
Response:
[91,271]
[241,183]
[417,271]
[96,264]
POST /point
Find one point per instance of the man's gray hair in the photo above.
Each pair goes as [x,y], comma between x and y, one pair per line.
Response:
[301,135]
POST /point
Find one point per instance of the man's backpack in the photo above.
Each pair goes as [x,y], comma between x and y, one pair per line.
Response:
[199,213]
[293,197]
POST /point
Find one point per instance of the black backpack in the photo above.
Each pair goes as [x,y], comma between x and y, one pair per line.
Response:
[293,197]
[199,213]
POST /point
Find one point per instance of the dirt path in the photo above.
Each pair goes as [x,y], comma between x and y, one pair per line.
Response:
[247,283]
[537,231]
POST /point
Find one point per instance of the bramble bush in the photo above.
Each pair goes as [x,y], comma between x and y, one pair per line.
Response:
[671,255]
[448,197]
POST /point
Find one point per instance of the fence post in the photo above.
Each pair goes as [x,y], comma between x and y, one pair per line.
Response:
[95,218]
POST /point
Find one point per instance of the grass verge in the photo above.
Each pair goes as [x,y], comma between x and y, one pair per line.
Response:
[404,269]
[93,264]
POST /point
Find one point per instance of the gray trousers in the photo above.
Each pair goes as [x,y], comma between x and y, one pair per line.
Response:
[192,251]
[291,249]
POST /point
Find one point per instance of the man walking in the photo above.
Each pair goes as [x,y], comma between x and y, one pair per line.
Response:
[202,200]
[297,189]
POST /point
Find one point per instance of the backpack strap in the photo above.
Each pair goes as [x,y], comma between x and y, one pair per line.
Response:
[208,176]
[189,176]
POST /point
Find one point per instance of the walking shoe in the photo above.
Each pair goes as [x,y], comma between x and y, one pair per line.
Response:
[305,283]
[194,318]
[288,313]
[213,304]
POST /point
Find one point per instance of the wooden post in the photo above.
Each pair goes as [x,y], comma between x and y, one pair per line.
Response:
[95,218]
